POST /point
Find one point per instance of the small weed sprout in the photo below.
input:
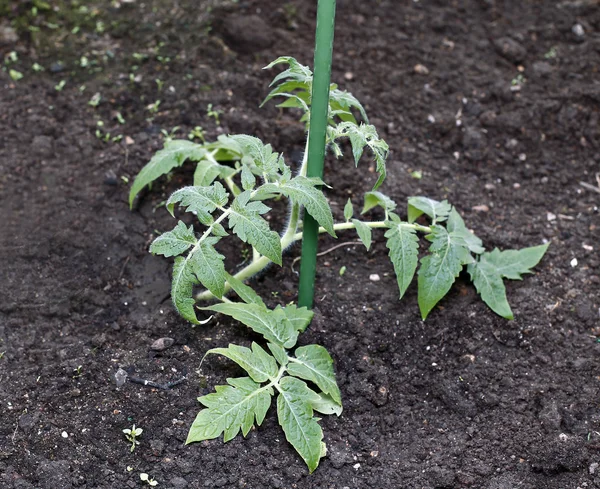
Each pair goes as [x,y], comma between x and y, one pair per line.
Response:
[147,479]
[215,114]
[197,133]
[132,436]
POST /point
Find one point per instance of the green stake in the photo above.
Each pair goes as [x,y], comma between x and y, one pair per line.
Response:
[316,142]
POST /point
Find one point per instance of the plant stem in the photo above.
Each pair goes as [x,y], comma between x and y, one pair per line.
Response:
[291,236]
[316,141]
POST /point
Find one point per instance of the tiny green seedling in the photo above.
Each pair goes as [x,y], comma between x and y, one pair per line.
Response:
[149,480]
[78,372]
[60,85]
[15,75]
[234,178]
[95,100]
[132,436]
[215,114]
[197,133]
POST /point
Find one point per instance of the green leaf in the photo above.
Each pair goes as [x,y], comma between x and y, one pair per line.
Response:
[174,154]
[273,325]
[295,415]
[438,271]
[437,211]
[300,317]
[245,292]
[457,226]
[279,353]
[314,363]
[513,263]
[488,282]
[341,99]
[257,362]
[248,179]
[403,244]
[302,190]
[324,404]
[231,408]
[488,272]
[174,242]
[348,210]
[374,199]
[207,265]
[201,200]
[260,154]
[361,136]
[245,221]
[182,287]
[363,231]
[207,170]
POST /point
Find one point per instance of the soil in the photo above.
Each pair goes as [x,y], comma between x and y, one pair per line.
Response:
[502,120]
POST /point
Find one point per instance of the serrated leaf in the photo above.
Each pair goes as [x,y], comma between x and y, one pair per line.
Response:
[207,264]
[437,211]
[345,100]
[174,242]
[245,292]
[207,170]
[439,269]
[272,324]
[295,415]
[314,363]
[201,200]
[279,353]
[403,244]
[257,362]
[456,225]
[300,317]
[488,282]
[182,287]
[232,407]
[324,404]
[513,263]
[361,136]
[174,154]
[348,210]
[261,154]
[304,191]
[363,231]
[248,179]
[374,199]
[245,221]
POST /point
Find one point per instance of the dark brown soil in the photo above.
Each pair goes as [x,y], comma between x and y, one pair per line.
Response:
[465,399]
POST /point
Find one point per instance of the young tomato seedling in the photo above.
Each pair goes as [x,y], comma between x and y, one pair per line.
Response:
[234,177]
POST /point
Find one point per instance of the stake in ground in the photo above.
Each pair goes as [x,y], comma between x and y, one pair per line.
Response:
[233,179]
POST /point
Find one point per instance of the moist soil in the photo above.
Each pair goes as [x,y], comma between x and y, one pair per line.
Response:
[495,102]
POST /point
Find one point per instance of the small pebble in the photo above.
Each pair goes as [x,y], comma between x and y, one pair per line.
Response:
[516,185]
[578,30]
[349,75]
[421,69]
[64,434]
[551,217]
[162,344]
[481,208]
[110,178]
[574,262]
[374,277]
[129,141]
